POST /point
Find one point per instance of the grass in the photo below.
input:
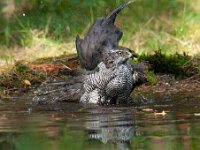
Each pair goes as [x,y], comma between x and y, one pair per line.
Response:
[163,25]
[164,33]
[172,26]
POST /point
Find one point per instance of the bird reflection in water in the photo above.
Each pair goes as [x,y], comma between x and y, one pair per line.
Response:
[112,125]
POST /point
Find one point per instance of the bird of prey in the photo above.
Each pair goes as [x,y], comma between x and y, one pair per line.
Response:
[112,83]
[102,35]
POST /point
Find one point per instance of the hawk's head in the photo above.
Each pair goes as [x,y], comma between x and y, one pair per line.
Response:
[116,57]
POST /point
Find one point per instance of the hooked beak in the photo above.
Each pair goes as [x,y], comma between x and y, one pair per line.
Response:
[132,54]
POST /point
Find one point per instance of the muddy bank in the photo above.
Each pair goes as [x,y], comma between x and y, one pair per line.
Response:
[170,89]
[25,77]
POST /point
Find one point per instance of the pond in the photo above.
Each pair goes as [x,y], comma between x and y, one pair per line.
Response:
[167,124]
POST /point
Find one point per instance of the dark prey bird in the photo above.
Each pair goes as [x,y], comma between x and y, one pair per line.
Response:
[102,35]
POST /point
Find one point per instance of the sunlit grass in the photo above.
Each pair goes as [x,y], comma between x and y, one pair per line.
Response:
[173,30]
[41,46]
[153,25]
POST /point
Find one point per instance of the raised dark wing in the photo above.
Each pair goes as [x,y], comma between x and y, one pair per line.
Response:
[112,16]
[102,35]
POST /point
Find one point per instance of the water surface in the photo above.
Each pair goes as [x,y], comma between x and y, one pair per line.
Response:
[74,126]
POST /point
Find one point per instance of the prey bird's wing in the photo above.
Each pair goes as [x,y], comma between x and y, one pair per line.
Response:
[102,35]
[112,16]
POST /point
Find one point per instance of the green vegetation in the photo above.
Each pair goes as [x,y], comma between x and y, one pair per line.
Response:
[165,33]
[151,77]
[148,25]
[179,65]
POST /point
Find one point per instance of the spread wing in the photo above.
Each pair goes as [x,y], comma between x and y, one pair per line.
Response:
[102,35]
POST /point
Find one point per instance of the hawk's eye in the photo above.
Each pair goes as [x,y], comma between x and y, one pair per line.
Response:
[119,53]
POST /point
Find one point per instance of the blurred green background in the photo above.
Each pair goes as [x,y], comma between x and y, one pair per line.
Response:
[32,29]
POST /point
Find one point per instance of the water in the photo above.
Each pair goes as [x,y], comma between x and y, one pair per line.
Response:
[73,126]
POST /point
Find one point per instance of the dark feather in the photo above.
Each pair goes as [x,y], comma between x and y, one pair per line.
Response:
[112,16]
[102,35]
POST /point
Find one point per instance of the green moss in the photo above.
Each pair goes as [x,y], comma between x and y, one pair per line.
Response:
[179,65]
[151,77]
